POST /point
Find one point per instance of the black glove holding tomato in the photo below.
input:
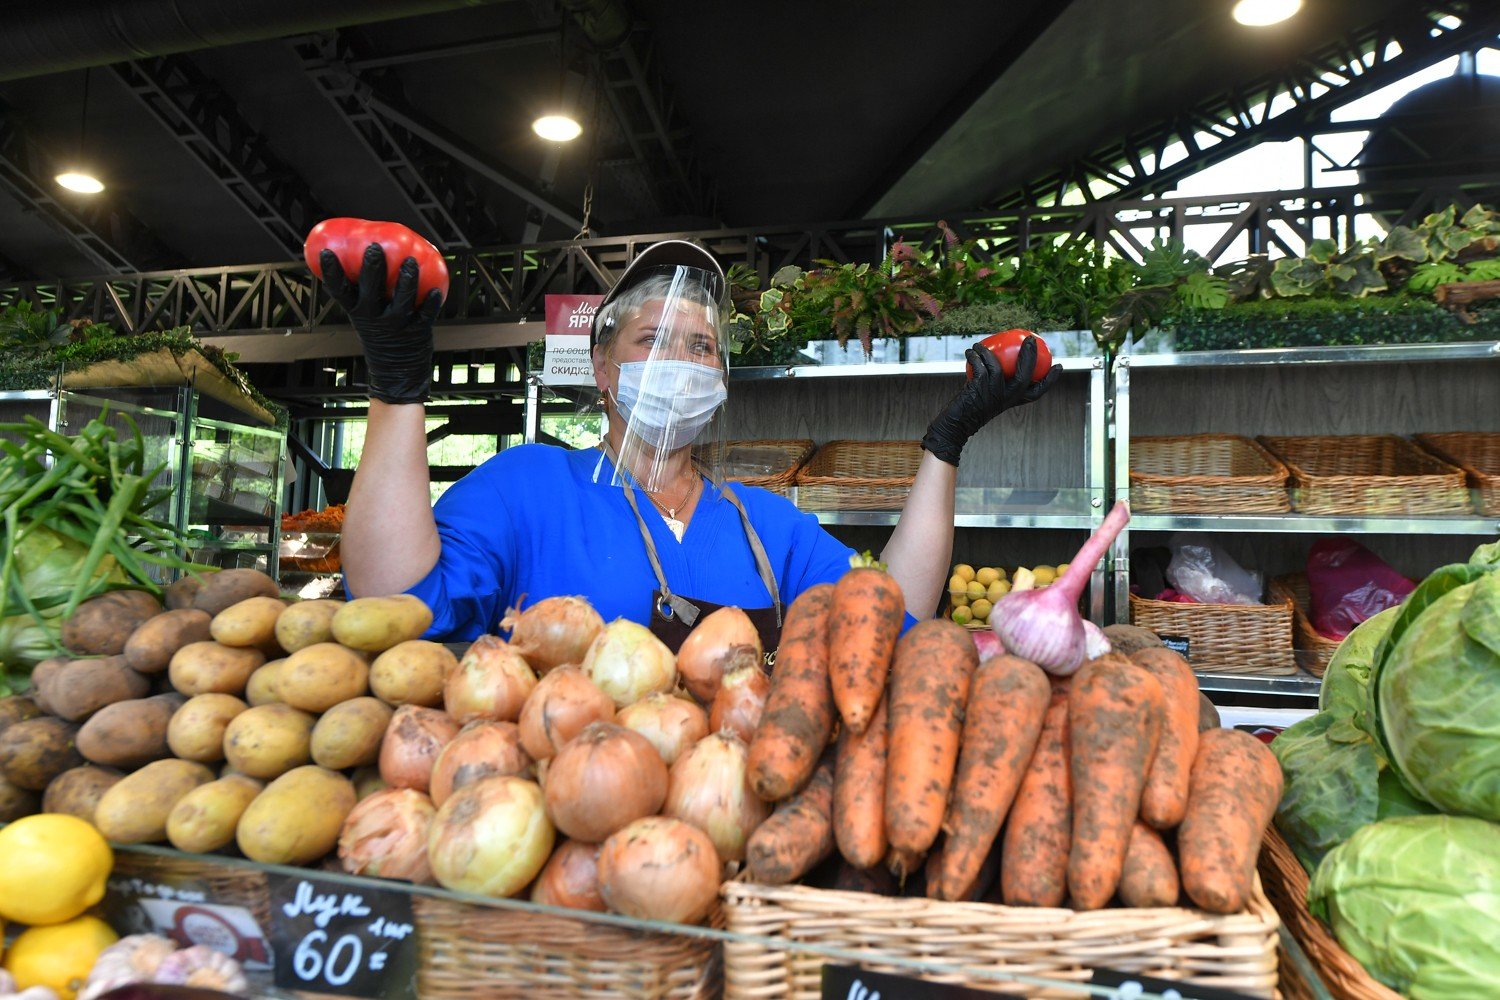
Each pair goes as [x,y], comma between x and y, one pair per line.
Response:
[987,394]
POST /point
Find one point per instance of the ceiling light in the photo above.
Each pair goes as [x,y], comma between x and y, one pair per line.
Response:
[77,180]
[557,128]
[1260,13]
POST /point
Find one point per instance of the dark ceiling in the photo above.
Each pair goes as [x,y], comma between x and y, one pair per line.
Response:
[773,112]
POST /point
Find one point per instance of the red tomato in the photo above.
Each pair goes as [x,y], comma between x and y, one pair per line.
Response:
[348,238]
[1007,344]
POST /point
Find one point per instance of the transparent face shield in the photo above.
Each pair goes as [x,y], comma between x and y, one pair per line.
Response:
[661,360]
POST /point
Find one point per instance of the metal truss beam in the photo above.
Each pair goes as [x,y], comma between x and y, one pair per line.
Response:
[205,120]
[103,232]
[1317,83]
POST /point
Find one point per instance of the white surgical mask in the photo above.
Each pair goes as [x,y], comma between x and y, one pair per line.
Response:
[679,402]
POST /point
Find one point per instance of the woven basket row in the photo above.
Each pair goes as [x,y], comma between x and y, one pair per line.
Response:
[840,475]
[1314,649]
[1225,638]
[1368,474]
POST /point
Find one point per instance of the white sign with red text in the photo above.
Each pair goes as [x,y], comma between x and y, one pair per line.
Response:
[569,318]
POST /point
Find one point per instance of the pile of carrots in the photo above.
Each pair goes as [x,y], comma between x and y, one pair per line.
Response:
[993,781]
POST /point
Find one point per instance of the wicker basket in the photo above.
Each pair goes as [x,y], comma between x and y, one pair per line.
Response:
[1369,474]
[1225,638]
[1286,882]
[1205,474]
[1478,455]
[1314,648]
[859,475]
[1236,952]
[771,464]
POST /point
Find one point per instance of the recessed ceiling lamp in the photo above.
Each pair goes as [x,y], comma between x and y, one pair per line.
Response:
[77,178]
[557,128]
[1260,13]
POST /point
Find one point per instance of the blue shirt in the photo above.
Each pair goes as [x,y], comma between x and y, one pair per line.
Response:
[532,521]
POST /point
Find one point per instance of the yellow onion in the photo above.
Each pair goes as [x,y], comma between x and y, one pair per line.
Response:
[709,787]
[385,836]
[740,701]
[492,681]
[628,662]
[482,749]
[672,724]
[571,878]
[563,703]
[411,746]
[553,631]
[605,777]
[491,837]
[719,643]
[659,868]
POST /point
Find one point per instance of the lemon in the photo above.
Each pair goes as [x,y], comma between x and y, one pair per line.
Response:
[977,590]
[980,609]
[959,600]
[1062,568]
[52,868]
[987,575]
[962,616]
[964,570]
[59,956]
[996,590]
[1044,575]
[957,585]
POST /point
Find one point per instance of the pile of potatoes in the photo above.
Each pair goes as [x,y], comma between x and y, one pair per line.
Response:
[229,716]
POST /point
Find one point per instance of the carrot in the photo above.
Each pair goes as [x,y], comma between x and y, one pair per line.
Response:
[1001,725]
[1165,797]
[859,793]
[903,865]
[868,609]
[798,717]
[1150,875]
[986,880]
[876,879]
[797,836]
[1114,722]
[929,688]
[1034,851]
[1232,795]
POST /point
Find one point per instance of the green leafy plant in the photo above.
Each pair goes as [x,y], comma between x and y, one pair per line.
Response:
[1428,276]
[982,318]
[759,326]
[23,326]
[866,301]
[1071,284]
[1353,271]
[959,275]
[1326,320]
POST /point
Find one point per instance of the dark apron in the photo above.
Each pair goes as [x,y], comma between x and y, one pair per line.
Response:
[673,616]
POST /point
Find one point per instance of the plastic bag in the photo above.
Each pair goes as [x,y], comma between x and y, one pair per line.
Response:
[1347,583]
[1201,569]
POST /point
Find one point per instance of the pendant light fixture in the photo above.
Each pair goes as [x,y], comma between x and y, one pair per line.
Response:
[1263,13]
[559,123]
[78,178]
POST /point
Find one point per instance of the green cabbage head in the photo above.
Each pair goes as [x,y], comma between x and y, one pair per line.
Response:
[1417,901]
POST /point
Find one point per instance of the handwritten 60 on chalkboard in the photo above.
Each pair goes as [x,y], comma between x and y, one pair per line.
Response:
[329,938]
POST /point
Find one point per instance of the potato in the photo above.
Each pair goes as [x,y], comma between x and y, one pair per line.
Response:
[180,594]
[375,624]
[129,734]
[150,647]
[412,673]
[306,623]
[1208,714]
[297,819]
[16,802]
[251,622]
[34,752]
[213,668]
[81,688]
[269,740]
[100,625]
[41,677]
[367,781]
[135,809]
[205,818]
[196,731]
[349,733]
[320,676]
[1126,639]
[17,708]
[260,689]
[77,791]
[229,587]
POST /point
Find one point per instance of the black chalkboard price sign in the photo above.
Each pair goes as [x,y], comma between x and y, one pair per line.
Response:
[329,938]
[847,982]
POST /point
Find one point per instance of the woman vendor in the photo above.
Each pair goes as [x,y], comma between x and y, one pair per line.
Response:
[643,526]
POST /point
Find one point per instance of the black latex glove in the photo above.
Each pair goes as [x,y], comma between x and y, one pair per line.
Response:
[396,337]
[987,395]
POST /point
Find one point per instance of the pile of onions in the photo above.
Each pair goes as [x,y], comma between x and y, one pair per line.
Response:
[710,789]
[628,662]
[605,777]
[491,837]
[672,724]
[492,681]
[571,878]
[554,631]
[722,641]
[482,749]
[385,836]
[563,703]
[411,746]
[660,868]
[740,701]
